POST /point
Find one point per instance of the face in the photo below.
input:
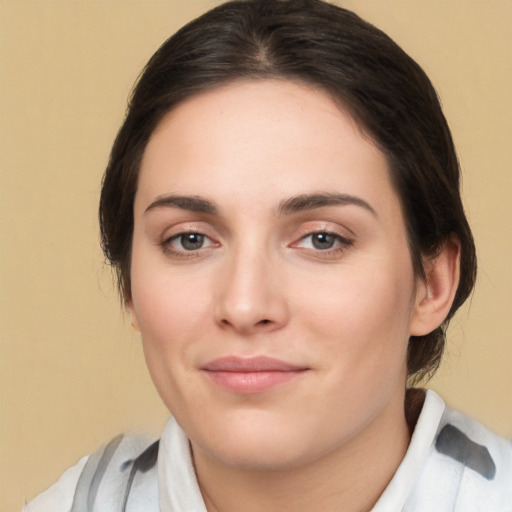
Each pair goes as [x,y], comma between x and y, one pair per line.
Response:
[271,276]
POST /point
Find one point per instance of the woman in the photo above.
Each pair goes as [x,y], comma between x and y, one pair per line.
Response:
[282,208]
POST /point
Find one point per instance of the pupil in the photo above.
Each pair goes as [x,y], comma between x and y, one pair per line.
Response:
[192,241]
[323,241]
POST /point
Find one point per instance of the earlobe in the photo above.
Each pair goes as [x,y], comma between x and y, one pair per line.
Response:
[133,317]
[435,294]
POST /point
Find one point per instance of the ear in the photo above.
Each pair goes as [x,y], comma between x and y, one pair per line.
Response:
[435,294]
[133,316]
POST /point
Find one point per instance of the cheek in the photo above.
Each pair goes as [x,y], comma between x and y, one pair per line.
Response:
[171,321]
[171,312]
[363,313]
[167,301]
[360,325]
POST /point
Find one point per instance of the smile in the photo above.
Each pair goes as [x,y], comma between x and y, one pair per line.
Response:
[252,375]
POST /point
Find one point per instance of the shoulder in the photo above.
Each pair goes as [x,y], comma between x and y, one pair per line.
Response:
[59,497]
[483,458]
[470,443]
[103,476]
[468,467]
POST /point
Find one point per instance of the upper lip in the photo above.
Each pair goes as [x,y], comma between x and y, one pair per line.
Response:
[250,364]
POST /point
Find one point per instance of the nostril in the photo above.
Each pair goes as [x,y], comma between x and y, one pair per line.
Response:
[264,322]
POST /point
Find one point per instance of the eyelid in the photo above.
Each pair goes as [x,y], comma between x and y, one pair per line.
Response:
[332,228]
[174,233]
[175,229]
[344,239]
[183,254]
[340,238]
[183,233]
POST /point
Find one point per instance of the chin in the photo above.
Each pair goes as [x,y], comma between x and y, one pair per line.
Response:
[256,442]
[270,455]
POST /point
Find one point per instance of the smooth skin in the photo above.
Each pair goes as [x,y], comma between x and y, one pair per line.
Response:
[266,224]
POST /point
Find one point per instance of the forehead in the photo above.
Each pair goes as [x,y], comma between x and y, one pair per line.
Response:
[270,138]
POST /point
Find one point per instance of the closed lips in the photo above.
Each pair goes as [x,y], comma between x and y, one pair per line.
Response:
[250,365]
[253,375]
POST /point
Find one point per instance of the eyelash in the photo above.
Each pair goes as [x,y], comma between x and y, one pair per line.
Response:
[184,253]
[341,244]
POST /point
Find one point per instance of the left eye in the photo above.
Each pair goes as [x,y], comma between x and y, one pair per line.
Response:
[322,241]
[190,241]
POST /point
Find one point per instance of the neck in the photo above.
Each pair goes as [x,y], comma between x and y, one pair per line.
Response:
[350,478]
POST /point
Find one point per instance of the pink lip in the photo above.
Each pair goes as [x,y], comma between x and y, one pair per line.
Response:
[250,375]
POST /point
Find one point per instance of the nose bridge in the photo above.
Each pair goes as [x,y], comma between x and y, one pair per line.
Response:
[250,296]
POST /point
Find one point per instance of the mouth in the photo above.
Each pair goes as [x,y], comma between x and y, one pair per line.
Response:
[251,375]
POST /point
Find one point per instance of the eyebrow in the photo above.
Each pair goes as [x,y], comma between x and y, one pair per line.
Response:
[192,203]
[305,202]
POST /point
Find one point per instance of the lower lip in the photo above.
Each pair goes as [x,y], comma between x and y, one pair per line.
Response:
[252,382]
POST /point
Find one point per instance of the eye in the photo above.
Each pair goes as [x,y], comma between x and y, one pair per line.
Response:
[323,241]
[188,242]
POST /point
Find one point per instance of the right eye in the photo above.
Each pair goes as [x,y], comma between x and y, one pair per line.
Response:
[188,242]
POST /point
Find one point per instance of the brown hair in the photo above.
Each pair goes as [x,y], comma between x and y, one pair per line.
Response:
[311,41]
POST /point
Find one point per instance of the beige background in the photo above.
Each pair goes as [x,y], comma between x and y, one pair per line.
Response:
[72,373]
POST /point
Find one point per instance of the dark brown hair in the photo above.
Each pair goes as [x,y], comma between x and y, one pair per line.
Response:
[331,48]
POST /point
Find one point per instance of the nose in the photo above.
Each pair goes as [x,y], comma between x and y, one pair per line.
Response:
[251,297]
